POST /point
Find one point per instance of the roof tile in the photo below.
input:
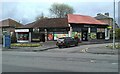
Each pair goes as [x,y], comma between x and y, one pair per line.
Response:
[83,19]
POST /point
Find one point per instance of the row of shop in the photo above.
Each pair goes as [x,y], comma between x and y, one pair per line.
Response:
[49,32]
[84,34]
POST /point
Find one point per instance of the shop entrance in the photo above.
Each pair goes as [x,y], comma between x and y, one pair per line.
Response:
[85,34]
[100,35]
[42,37]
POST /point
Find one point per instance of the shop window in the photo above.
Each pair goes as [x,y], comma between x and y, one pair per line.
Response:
[76,29]
[93,35]
[93,29]
[50,36]
[23,36]
[35,36]
[56,36]
[76,33]
[100,30]
[100,35]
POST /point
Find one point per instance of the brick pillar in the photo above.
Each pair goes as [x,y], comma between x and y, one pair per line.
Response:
[29,36]
[45,34]
[70,32]
[89,38]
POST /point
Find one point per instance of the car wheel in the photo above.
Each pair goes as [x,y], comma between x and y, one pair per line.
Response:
[76,44]
[67,46]
[60,46]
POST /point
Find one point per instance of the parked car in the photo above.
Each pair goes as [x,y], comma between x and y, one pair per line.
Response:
[66,42]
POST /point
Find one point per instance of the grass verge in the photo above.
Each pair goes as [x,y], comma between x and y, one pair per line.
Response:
[117,46]
[25,44]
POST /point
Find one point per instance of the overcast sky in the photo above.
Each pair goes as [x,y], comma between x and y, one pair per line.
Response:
[26,11]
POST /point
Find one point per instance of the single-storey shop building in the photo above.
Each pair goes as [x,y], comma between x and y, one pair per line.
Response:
[85,27]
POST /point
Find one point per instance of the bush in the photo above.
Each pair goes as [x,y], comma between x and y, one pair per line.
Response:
[117,46]
[13,38]
[117,33]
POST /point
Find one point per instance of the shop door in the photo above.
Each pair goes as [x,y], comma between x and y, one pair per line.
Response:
[42,37]
[84,36]
[100,35]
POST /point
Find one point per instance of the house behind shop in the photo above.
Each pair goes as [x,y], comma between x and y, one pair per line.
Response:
[8,26]
[109,20]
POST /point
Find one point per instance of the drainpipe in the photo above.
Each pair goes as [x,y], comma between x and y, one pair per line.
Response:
[114,26]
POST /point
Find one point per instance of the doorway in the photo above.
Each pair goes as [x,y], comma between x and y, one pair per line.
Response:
[42,37]
[85,34]
[100,35]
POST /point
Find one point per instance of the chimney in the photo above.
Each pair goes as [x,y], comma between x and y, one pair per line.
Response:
[107,14]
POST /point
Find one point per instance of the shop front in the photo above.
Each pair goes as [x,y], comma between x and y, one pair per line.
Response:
[23,35]
[55,33]
[88,32]
[38,35]
[100,33]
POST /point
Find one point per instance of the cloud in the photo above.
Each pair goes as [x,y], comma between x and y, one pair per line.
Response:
[60,1]
[27,11]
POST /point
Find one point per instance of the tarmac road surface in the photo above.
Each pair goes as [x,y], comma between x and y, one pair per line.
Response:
[13,61]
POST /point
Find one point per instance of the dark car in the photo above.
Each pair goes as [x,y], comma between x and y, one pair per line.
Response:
[66,42]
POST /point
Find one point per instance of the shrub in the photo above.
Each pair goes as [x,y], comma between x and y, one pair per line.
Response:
[13,38]
[117,33]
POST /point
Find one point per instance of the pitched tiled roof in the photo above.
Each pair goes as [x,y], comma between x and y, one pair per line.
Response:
[29,25]
[83,19]
[9,22]
[52,22]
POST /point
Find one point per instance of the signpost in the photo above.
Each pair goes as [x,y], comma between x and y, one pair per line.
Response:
[6,41]
[114,27]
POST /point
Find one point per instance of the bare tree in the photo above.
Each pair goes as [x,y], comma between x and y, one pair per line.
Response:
[41,16]
[60,10]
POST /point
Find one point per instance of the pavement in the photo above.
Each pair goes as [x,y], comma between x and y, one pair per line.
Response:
[94,47]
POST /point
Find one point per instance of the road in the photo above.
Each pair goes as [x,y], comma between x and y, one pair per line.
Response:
[14,61]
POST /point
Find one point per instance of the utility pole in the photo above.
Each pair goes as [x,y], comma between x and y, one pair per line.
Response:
[114,25]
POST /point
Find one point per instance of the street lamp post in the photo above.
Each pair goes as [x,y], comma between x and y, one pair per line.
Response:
[114,26]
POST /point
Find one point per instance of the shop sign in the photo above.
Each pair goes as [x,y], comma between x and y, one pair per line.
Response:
[92,26]
[22,30]
[86,25]
[58,29]
[109,27]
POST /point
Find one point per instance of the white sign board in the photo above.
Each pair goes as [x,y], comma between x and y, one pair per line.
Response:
[22,30]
